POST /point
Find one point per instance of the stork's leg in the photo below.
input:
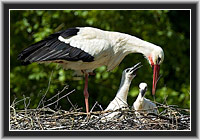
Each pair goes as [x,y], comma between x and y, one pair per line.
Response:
[86,94]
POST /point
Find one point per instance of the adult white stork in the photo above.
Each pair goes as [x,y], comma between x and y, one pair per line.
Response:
[143,104]
[120,100]
[84,49]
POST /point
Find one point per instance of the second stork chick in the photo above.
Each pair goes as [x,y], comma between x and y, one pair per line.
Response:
[142,104]
[120,100]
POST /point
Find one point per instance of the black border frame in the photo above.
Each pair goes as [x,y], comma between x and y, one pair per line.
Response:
[194,121]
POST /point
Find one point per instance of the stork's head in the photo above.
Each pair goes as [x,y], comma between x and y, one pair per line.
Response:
[130,73]
[143,88]
[155,58]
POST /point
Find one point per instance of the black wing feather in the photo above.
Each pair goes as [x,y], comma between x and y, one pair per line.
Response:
[51,49]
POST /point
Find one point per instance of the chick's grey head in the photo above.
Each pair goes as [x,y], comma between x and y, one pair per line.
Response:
[130,73]
[143,88]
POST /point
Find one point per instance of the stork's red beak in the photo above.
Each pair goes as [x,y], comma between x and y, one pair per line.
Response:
[156,69]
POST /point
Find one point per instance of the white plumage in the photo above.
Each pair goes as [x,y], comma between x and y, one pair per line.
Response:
[142,104]
[120,100]
[108,48]
[84,49]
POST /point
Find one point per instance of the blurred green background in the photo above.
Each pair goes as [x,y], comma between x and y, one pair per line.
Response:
[168,29]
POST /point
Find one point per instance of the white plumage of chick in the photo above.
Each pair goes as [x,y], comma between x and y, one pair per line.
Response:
[142,104]
[120,100]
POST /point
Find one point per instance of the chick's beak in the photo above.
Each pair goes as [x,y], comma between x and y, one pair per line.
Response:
[156,69]
[136,67]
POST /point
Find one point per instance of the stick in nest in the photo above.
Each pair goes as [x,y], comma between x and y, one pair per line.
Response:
[59,99]
[42,100]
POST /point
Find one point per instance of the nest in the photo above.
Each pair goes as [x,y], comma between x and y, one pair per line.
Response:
[44,118]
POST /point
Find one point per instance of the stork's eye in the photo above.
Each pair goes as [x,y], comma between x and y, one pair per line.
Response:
[127,70]
[158,61]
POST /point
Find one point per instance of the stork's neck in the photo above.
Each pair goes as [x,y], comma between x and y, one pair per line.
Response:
[136,45]
[122,93]
[132,44]
[124,44]
[140,98]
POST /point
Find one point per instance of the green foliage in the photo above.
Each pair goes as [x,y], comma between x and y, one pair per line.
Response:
[168,29]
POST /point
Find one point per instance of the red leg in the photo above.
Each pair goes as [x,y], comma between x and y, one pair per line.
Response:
[86,94]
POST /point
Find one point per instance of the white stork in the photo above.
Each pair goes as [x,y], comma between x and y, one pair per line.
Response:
[120,100]
[143,104]
[84,49]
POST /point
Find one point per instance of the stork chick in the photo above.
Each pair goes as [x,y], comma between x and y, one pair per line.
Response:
[120,100]
[142,104]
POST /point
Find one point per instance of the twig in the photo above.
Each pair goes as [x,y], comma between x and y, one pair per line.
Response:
[65,87]
[59,99]
[13,103]
[100,106]
[21,100]
[25,107]
[42,100]
[93,106]
[71,103]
